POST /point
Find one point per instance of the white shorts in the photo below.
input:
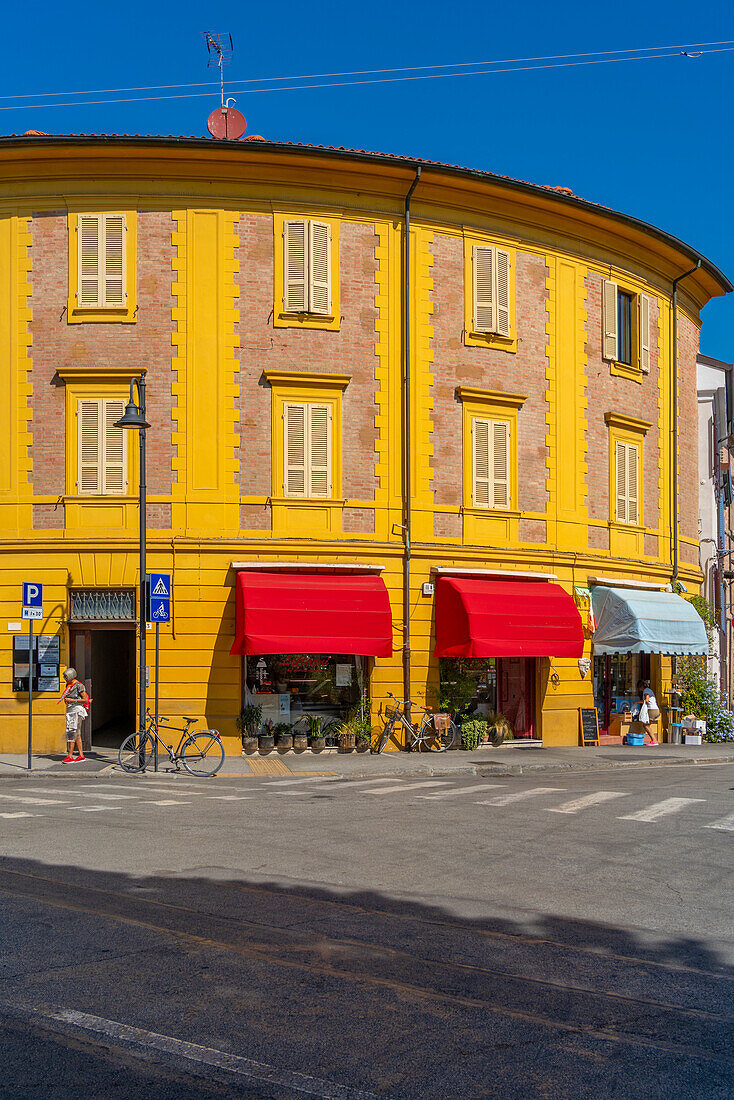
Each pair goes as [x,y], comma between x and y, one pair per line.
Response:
[74,716]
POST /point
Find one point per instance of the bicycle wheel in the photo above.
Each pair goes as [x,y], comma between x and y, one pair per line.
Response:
[136,752]
[443,740]
[449,737]
[386,734]
[203,753]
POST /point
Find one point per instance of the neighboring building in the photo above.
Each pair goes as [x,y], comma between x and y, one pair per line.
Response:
[261,287]
[715,438]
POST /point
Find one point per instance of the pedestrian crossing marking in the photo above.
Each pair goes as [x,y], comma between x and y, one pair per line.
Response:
[226,797]
[661,809]
[94,809]
[408,787]
[110,797]
[577,804]
[725,824]
[517,796]
[35,801]
[310,779]
[167,802]
[460,791]
[20,813]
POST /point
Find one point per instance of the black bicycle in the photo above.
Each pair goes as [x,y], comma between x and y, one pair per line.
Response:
[201,752]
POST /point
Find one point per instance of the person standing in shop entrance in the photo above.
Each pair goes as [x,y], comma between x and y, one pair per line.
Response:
[77,708]
[653,712]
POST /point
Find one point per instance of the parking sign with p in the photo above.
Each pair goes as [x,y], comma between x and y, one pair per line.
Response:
[32,600]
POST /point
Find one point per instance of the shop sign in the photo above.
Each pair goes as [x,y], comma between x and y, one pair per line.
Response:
[102,605]
[343,675]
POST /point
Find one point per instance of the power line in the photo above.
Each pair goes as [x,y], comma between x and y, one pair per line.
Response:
[355,83]
[609,54]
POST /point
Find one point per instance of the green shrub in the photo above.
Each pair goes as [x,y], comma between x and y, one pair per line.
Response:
[249,720]
[472,732]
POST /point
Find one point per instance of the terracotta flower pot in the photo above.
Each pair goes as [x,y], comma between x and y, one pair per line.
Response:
[285,742]
[362,745]
[317,744]
[346,742]
[300,741]
[249,743]
[267,743]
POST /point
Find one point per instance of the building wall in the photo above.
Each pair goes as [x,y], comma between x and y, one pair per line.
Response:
[205,332]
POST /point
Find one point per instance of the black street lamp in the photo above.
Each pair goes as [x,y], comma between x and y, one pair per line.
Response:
[134,417]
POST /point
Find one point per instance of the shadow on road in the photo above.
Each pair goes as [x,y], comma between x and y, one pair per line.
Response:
[395,997]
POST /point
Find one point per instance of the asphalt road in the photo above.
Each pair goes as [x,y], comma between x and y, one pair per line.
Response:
[567,936]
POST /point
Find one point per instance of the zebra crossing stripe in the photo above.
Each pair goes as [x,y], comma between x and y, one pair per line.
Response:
[577,804]
[35,801]
[517,796]
[460,790]
[20,813]
[725,824]
[409,787]
[661,809]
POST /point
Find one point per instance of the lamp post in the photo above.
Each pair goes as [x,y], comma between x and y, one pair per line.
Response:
[134,417]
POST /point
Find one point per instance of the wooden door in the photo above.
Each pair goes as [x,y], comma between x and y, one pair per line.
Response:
[516,691]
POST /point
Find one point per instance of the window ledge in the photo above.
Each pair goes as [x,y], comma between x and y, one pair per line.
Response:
[310,502]
[626,370]
[123,315]
[638,528]
[307,320]
[499,513]
[490,340]
[99,498]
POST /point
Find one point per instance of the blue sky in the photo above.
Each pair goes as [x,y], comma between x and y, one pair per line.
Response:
[651,138]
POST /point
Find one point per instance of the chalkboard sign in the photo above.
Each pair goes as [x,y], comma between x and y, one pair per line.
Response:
[589,725]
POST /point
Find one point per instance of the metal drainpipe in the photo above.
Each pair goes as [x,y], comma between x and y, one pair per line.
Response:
[407,413]
[674,372]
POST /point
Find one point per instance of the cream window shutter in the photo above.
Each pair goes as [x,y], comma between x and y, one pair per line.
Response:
[609,320]
[484,288]
[502,294]
[319,267]
[295,417]
[114,479]
[114,260]
[295,262]
[89,446]
[481,462]
[645,333]
[500,464]
[319,450]
[620,482]
[89,290]
[633,454]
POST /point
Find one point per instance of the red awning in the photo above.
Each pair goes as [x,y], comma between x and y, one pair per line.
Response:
[312,613]
[492,618]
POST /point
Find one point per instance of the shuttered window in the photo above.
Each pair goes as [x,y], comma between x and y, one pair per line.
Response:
[491,463]
[101,275]
[623,313]
[307,267]
[307,460]
[491,289]
[610,320]
[644,325]
[626,461]
[101,447]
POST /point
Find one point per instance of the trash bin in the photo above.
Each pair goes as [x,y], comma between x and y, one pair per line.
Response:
[676,737]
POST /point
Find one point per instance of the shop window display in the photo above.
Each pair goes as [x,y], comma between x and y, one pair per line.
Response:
[486,687]
[618,683]
[291,686]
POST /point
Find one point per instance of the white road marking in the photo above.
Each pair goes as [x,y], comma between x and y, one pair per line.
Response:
[460,790]
[306,779]
[226,797]
[584,803]
[111,797]
[111,1030]
[726,824]
[166,802]
[409,787]
[661,809]
[94,809]
[20,813]
[35,801]
[517,796]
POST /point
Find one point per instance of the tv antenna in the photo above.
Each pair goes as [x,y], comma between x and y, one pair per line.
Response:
[220,48]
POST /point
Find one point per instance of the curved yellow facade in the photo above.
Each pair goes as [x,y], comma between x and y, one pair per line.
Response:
[213,237]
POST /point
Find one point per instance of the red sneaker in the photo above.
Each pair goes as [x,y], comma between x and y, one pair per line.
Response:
[68,760]
[79,759]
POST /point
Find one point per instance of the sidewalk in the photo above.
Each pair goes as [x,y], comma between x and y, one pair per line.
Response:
[506,760]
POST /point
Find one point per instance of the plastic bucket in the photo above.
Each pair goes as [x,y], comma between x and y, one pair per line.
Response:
[635,739]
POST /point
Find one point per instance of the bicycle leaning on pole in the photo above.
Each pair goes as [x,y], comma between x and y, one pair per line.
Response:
[436,732]
[200,752]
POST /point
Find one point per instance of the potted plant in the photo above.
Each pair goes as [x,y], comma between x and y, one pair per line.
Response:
[472,730]
[317,726]
[300,738]
[346,737]
[499,729]
[248,722]
[267,738]
[283,733]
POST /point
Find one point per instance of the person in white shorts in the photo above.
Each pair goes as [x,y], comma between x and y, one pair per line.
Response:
[77,707]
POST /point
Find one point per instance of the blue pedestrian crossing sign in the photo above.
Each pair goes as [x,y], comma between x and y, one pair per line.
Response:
[159,602]
[32,600]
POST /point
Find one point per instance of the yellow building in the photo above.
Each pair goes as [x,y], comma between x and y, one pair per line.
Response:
[377,516]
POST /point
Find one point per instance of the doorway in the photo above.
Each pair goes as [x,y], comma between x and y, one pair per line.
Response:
[516,693]
[104,659]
